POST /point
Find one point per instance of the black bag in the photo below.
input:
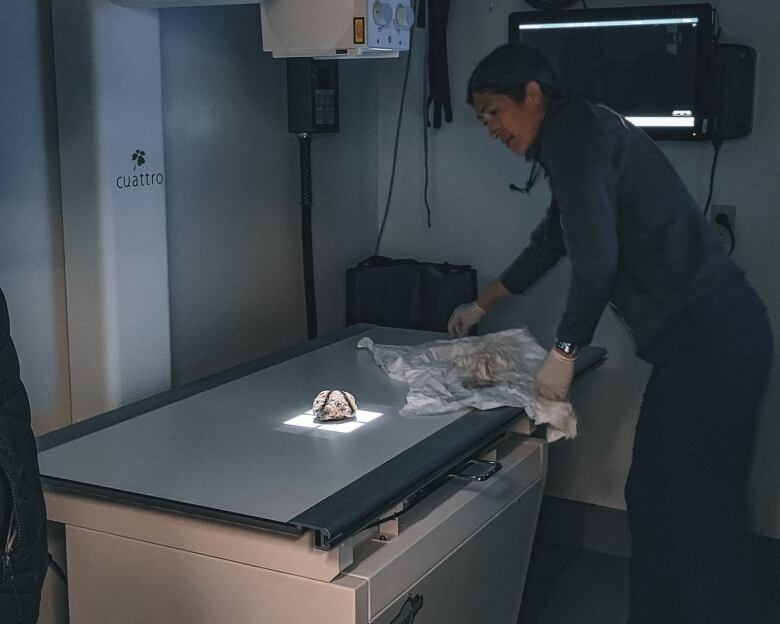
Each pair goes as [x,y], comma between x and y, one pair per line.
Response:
[407,293]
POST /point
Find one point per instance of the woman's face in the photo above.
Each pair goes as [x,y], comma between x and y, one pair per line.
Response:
[515,124]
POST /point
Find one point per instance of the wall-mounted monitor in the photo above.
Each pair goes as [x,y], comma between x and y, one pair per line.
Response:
[650,64]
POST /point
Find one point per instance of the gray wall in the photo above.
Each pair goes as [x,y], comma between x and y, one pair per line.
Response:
[476,219]
[234,193]
[32,273]
[31,260]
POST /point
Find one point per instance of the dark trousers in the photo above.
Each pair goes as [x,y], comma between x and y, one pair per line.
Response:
[686,489]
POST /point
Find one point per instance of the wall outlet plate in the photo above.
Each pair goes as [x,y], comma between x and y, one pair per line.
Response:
[730,212]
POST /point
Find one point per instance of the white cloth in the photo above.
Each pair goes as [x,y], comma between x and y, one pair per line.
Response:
[478,372]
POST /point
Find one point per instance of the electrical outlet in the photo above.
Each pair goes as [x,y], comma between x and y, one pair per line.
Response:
[730,212]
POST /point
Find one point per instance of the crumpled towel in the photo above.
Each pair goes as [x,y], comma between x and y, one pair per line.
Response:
[477,372]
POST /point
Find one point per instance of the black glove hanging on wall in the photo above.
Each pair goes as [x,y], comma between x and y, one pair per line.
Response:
[438,71]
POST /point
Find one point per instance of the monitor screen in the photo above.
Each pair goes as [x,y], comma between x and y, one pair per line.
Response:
[648,63]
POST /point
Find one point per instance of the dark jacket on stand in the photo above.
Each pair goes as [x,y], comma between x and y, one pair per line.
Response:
[23,546]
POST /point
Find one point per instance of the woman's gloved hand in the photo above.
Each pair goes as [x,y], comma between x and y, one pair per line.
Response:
[463,318]
[554,376]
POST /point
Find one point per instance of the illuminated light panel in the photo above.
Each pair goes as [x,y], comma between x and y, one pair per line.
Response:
[306,420]
[663,122]
[365,416]
[342,427]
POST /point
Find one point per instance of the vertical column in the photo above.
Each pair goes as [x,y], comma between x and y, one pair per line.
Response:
[107,62]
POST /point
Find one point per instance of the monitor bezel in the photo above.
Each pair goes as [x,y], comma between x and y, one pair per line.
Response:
[703,126]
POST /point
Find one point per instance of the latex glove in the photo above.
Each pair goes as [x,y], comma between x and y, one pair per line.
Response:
[554,376]
[463,318]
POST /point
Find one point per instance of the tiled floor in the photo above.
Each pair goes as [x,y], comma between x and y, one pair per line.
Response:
[567,585]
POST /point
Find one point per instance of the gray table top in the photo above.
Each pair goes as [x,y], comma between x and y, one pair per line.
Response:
[250,446]
[243,446]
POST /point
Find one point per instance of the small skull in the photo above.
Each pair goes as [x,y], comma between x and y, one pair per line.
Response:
[334,405]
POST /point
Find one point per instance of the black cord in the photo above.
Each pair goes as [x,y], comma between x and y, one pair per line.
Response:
[529,184]
[723,221]
[716,142]
[60,572]
[395,146]
[584,6]
[410,503]
[716,26]
[426,125]
[307,247]
[716,147]
[388,518]
[425,186]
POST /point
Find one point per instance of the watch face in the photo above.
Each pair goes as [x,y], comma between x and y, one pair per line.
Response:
[566,347]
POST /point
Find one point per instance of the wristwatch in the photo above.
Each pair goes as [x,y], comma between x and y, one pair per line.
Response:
[567,348]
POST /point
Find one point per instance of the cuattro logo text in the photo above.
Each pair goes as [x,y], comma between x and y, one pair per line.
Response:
[139,178]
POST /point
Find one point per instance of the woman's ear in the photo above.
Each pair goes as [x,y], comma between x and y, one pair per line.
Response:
[534,93]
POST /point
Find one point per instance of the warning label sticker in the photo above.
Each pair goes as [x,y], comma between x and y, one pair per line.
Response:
[359,30]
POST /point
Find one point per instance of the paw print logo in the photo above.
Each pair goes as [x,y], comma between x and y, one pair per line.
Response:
[139,157]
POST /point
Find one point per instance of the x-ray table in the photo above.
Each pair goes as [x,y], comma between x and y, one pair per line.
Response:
[223,501]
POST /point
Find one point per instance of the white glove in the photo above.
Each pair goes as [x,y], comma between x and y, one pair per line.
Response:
[554,376]
[463,318]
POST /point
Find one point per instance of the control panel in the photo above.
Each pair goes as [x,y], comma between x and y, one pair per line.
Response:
[336,29]
[389,24]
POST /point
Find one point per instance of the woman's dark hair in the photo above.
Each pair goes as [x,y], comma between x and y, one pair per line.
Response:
[508,69]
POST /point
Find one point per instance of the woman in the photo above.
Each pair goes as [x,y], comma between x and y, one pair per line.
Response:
[637,240]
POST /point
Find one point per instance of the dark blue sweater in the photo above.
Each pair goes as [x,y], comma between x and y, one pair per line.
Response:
[634,235]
